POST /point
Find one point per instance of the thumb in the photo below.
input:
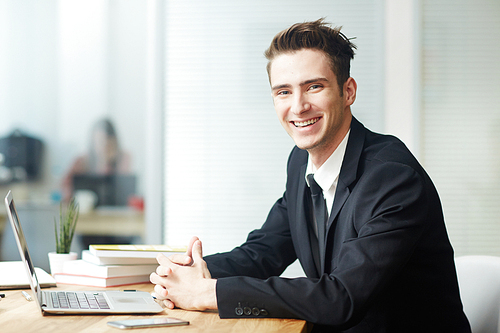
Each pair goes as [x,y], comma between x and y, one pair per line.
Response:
[189,251]
[197,251]
[198,260]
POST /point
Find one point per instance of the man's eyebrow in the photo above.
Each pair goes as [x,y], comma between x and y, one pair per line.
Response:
[281,86]
[303,83]
[318,79]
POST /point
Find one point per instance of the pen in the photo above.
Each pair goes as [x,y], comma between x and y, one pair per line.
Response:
[26,295]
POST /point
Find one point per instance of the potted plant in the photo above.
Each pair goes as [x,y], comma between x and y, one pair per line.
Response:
[64,233]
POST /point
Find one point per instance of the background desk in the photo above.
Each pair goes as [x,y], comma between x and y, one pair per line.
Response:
[19,315]
[112,221]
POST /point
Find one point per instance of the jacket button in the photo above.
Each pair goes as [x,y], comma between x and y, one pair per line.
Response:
[238,310]
[263,312]
[255,311]
[247,311]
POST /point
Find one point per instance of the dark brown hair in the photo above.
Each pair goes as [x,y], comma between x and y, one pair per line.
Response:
[315,35]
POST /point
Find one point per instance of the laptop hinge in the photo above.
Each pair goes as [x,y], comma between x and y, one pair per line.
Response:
[44,300]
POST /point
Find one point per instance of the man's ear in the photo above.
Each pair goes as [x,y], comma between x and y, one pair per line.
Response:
[350,88]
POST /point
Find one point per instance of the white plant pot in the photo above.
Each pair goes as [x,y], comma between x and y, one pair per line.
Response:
[56,261]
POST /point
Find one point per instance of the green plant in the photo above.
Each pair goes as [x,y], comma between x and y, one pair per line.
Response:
[67,224]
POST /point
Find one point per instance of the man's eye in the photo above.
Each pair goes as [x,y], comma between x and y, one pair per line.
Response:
[283,92]
[314,86]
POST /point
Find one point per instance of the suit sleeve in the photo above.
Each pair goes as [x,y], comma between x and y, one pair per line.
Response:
[386,212]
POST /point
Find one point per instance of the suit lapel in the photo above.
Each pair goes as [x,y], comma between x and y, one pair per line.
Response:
[348,171]
[347,177]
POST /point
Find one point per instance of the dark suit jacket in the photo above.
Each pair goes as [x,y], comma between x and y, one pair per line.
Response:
[388,264]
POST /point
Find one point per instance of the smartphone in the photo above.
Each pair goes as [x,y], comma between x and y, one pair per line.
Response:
[149,322]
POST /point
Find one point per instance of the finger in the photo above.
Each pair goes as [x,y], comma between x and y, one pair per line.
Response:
[162,259]
[155,279]
[166,266]
[197,251]
[189,251]
[198,259]
[180,259]
[163,271]
[169,304]
[161,292]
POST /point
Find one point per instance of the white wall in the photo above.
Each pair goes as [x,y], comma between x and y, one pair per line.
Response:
[461,117]
[402,68]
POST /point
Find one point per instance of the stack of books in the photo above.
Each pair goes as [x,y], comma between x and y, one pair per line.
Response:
[114,265]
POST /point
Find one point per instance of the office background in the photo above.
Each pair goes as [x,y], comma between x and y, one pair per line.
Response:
[185,84]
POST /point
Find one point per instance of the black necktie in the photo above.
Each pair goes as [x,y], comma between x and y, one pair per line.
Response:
[320,213]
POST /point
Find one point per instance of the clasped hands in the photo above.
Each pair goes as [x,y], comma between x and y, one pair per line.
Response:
[184,281]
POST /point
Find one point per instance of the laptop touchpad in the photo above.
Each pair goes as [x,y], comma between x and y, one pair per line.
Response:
[129,300]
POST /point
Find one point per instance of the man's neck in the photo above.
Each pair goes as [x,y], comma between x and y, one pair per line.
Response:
[319,155]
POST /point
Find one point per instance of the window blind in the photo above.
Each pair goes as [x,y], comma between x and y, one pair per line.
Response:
[461,118]
[225,150]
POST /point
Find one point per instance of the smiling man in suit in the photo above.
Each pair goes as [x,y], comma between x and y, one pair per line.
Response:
[359,212]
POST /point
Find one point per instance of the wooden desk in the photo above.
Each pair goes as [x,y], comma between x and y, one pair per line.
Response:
[19,315]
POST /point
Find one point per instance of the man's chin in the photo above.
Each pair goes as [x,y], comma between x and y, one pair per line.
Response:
[305,146]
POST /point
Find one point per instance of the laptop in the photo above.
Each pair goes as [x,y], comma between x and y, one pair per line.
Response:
[77,302]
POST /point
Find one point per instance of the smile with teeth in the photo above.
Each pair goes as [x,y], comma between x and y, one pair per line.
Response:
[305,123]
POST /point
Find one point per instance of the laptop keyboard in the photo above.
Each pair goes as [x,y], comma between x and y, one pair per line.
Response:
[78,300]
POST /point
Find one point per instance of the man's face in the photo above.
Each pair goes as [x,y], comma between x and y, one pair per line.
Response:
[308,100]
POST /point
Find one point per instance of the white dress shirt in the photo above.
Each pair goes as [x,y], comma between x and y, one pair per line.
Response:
[327,176]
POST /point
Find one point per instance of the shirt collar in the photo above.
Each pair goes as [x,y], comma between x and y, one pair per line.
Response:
[329,172]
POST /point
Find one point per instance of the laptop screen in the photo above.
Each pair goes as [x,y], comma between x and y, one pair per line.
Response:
[111,190]
[23,246]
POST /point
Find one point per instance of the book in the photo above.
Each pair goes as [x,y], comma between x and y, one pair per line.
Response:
[134,251]
[92,281]
[103,261]
[81,267]
[13,276]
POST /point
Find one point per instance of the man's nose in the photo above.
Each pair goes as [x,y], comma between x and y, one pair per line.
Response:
[300,104]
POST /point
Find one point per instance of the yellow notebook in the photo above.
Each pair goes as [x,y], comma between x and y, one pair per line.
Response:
[134,251]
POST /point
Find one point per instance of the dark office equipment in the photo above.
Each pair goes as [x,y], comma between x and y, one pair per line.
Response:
[22,156]
[111,190]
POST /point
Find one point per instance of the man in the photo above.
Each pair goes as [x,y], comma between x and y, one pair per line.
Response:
[377,260]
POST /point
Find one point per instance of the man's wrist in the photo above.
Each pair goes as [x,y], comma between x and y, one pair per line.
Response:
[212,298]
[206,296]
